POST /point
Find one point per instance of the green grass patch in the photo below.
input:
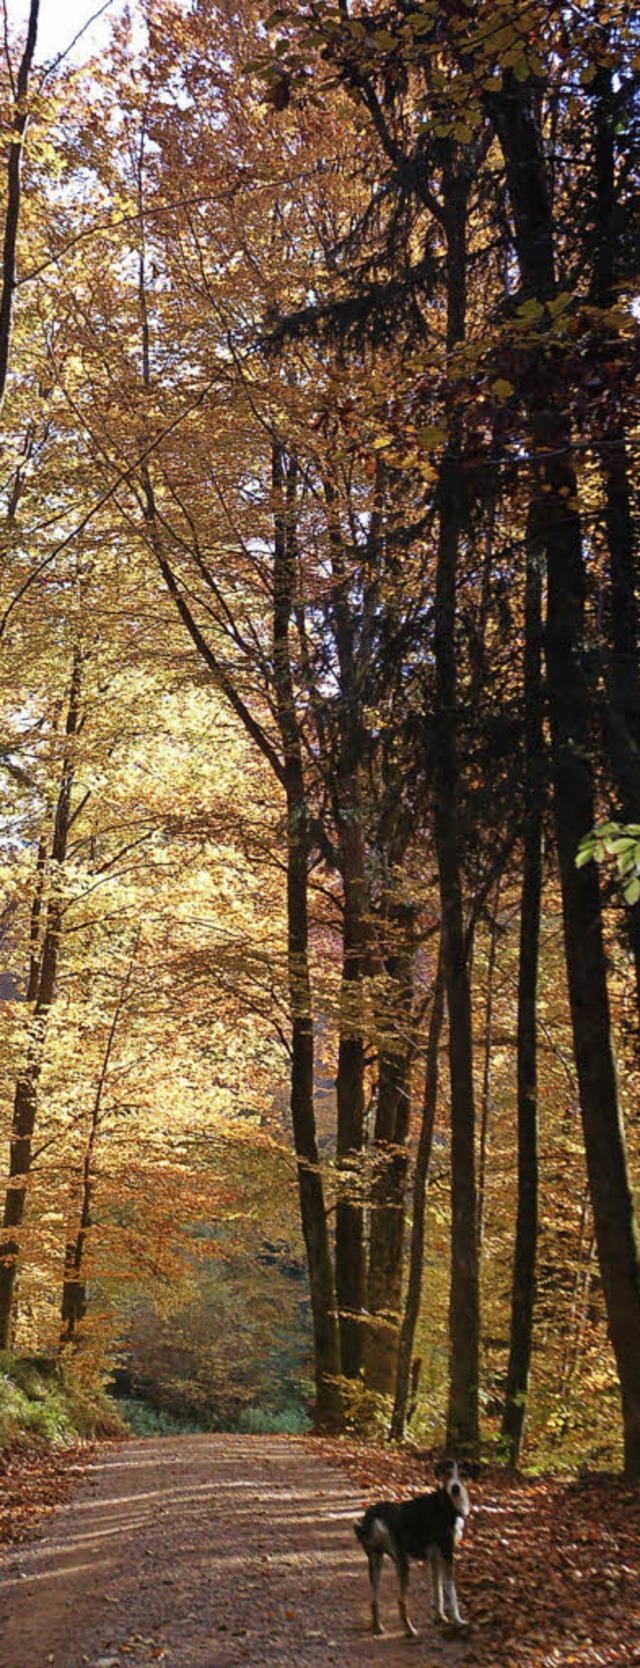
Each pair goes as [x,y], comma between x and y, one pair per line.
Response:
[144,1420]
[286,1421]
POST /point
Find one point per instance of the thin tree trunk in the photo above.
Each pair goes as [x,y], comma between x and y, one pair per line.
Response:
[390,1159]
[485,1098]
[14,190]
[25,1109]
[515,117]
[464,1327]
[313,1213]
[35,918]
[350,1247]
[350,1252]
[416,1252]
[622,719]
[74,1285]
[524,1262]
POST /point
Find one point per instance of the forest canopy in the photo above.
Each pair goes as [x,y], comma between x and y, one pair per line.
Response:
[321,716]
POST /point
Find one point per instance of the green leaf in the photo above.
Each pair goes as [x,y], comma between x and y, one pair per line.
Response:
[432,435]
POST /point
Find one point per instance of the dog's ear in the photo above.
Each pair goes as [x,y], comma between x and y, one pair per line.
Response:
[470,1470]
[453,1471]
[446,1470]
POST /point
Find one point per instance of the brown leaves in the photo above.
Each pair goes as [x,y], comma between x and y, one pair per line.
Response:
[34,1479]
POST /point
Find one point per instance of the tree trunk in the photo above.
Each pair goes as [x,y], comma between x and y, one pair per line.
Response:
[350,1252]
[390,1158]
[313,1214]
[524,1262]
[25,1109]
[464,1326]
[515,117]
[485,1099]
[14,191]
[416,1253]
[74,1284]
[350,1248]
[622,719]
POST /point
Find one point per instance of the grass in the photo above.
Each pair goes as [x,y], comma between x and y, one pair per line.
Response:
[145,1420]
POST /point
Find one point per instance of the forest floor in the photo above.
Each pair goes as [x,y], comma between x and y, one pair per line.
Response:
[239,1552]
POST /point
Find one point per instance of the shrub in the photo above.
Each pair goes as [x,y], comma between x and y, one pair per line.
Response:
[263,1421]
[40,1397]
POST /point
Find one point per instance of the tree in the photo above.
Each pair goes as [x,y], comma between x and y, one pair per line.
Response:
[45,952]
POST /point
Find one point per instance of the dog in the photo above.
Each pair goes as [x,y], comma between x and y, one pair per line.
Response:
[428,1525]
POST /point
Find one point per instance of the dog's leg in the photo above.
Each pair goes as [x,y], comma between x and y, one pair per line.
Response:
[375,1566]
[451,1599]
[436,1575]
[402,1567]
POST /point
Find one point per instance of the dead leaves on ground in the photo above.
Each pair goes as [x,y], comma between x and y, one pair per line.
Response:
[549,1569]
[34,1479]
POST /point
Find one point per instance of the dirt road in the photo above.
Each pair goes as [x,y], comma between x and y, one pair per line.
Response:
[208,1552]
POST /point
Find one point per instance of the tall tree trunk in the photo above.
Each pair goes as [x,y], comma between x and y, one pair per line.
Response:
[622,661]
[74,1284]
[14,192]
[416,1252]
[515,115]
[524,1262]
[314,1219]
[25,1108]
[390,1159]
[350,1247]
[462,1418]
[350,1251]
[485,1099]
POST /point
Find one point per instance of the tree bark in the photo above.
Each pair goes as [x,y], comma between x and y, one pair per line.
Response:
[524,1262]
[25,1109]
[485,1099]
[416,1252]
[74,1284]
[14,192]
[464,1324]
[390,1160]
[622,665]
[350,1133]
[514,113]
[314,1219]
[350,1250]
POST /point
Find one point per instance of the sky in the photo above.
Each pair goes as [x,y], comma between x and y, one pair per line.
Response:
[60,21]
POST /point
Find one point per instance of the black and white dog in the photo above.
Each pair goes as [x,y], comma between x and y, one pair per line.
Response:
[429,1525]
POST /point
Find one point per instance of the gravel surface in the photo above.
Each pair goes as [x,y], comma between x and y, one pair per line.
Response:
[208,1552]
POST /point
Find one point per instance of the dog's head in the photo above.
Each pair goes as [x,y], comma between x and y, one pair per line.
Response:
[448,1475]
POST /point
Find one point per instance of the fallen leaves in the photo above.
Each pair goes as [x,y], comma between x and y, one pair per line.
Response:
[34,1479]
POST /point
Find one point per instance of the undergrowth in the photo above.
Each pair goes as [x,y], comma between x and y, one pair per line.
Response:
[145,1420]
[41,1397]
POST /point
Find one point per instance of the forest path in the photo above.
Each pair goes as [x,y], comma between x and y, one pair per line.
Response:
[208,1552]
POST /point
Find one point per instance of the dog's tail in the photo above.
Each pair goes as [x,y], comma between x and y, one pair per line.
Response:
[358,1530]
